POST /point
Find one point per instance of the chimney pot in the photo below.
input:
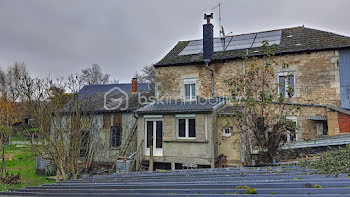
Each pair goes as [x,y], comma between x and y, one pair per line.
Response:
[134,85]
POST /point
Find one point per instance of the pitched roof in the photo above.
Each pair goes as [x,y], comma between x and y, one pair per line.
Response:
[114,102]
[89,90]
[180,106]
[293,40]
[110,98]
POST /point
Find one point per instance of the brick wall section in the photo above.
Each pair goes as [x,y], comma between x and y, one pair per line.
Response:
[344,122]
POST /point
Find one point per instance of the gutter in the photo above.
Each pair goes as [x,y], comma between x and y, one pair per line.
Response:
[212,76]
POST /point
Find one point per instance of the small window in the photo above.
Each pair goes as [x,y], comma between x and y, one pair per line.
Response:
[226,131]
[190,89]
[84,143]
[186,128]
[116,136]
[286,84]
[291,136]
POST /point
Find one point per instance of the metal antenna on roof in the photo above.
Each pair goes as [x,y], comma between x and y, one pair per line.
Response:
[222,31]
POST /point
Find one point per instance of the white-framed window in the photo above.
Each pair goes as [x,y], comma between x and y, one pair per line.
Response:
[286,80]
[292,136]
[226,131]
[186,126]
[190,89]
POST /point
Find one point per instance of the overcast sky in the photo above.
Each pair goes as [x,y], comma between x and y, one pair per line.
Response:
[59,37]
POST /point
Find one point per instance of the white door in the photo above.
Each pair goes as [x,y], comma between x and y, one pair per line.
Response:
[154,137]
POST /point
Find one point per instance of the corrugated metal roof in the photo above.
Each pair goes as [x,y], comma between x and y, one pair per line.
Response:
[319,142]
[289,181]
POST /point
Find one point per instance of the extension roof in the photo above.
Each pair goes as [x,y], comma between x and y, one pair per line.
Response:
[179,106]
[293,40]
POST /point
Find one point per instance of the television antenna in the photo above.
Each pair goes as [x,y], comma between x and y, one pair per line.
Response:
[221,27]
[222,31]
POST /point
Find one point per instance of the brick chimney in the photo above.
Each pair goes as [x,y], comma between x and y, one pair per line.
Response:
[134,85]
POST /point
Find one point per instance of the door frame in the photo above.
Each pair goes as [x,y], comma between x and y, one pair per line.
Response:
[156,151]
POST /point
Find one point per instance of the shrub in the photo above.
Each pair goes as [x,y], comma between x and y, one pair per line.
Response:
[332,162]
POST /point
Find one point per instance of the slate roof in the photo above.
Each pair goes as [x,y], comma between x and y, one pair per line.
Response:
[228,110]
[89,90]
[180,106]
[309,40]
[114,102]
[111,98]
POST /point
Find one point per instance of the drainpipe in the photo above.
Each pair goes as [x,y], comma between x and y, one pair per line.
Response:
[212,76]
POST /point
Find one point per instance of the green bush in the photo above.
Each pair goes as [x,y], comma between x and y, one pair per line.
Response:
[332,162]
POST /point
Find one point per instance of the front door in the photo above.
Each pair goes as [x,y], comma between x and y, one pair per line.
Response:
[154,137]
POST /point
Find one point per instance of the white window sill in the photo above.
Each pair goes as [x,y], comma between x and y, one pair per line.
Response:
[186,138]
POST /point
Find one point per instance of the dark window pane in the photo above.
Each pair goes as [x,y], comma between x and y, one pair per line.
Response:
[84,144]
[282,86]
[187,91]
[291,84]
[193,91]
[159,135]
[182,127]
[116,136]
[149,133]
[191,127]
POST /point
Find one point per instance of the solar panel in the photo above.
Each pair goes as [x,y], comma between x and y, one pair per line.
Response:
[272,38]
[235,47]
[244,37]
[191,52]
[196,42]
[259,44]
[235,42]
[269,33]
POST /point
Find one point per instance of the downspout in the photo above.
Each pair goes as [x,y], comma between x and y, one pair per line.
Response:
[212,76]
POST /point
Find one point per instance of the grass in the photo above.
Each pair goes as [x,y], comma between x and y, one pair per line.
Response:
[22,160]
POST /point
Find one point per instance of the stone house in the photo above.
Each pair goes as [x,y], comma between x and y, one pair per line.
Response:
[113,132]
[319,63]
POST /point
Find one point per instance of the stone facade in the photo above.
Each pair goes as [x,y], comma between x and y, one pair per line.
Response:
[229,145]
[316,77]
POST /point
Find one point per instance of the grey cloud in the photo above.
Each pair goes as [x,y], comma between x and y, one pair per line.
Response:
[58,37]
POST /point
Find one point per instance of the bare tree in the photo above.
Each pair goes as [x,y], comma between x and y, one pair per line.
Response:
[94,75]
[63,122]
[10,81]
[262,110]
[147,75]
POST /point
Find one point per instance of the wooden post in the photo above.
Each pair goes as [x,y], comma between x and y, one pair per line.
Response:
[150,167]
[172,165]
